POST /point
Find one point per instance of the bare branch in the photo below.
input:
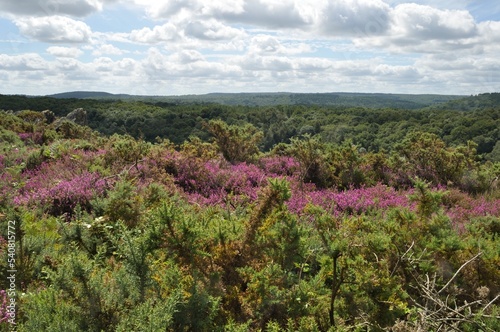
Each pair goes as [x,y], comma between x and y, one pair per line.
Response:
[491,302]
[458,271]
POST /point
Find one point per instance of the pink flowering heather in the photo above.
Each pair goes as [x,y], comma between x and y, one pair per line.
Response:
[468,208]
[25,136]
[36,137]
[354,201]
[215,181]
[61,195]
[218,182]
[280,165]
[59,185]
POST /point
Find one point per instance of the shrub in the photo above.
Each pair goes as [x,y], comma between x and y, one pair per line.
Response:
[123,203]
[59,186]
[236,143]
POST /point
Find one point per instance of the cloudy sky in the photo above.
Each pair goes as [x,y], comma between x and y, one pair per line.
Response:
[177,47]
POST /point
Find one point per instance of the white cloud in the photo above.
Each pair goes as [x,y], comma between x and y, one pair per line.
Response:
[64,52]
[67,65]
[191,66]
[489,32]
[165,8]
[266,44]
[187,56]
[221,7]
[126,67]
[354,17]
[54,29]
[392,72]
[267,13]
[414,21]
[423,29]
[212,30]
[160,33]
[78,8]
[107,49]
[267,63]
[103,64]
[24,62]
[252,45]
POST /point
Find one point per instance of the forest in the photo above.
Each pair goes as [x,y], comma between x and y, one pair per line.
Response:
[156,215]
[376,128]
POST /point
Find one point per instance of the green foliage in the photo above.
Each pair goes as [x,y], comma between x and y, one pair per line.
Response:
[303,239]
[494,156]
[236,143]
[35,159]
[195,147]
[198,312]
[69,129]
[125,150]
[427,202]
[310,152]
[31,117]
[46,310]
[14,123]
[150,316]
[426,156]
[123,203]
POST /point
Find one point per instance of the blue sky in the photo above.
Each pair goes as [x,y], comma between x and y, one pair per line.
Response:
[177,47]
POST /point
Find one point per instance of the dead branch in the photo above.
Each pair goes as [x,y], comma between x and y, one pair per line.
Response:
[458,271]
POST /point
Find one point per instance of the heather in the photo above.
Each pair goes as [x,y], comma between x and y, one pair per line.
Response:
[115,233]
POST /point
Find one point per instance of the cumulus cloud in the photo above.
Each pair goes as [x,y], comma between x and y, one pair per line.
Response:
[212,30]
[190,66]
[160,33]
[424,29]
[77,8]
[187,56]
[24,62]
[489,32]
[166,8]
[355,17]
[64,52]
[266,44]
[220,7]
[54,29]
[107,49]
[414,21]
[267,13]
[267,63]
[394,72]
[125,67]
[254,45]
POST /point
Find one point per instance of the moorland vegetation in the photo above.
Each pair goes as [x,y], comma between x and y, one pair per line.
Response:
[207,217]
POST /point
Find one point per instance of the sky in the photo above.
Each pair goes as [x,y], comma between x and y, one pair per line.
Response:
[179,47]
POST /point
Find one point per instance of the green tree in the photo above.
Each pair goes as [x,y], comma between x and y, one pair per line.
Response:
[311,154]
[236,143]
[426,156]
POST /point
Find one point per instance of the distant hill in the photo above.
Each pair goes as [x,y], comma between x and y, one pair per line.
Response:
[370,100]
[470,103]
[87,95]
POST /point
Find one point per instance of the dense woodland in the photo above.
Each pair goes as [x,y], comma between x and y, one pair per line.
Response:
[176,216]
[373,129]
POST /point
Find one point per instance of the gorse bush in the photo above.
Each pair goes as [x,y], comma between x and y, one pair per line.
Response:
[119,234]
[236,143]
